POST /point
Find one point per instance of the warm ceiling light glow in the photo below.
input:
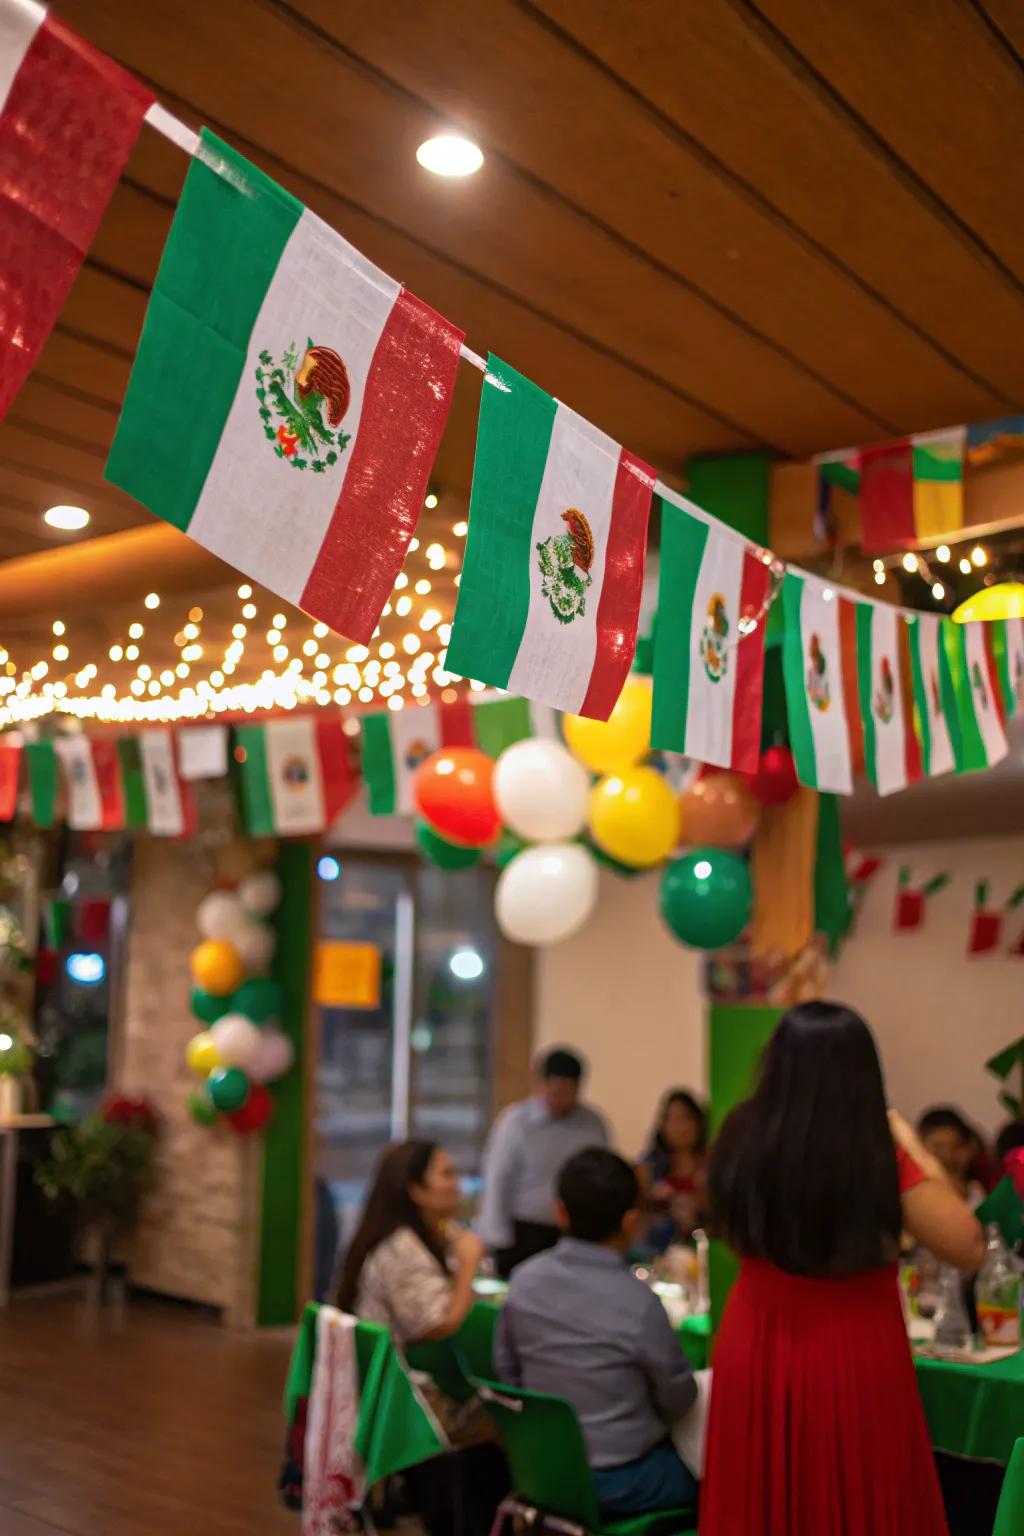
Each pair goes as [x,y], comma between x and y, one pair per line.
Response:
[131,652]
[152,600]
[216,678]
[196,615]
[978,555]
[430,501]
[323,660]
[365,695]
[909,562]
[68,519]
[136,631]
[395,701]
[1003,600]
[422,586]
[320,630]
[249,611]
[145,672]
[942,553]
[137,686]
[238,630]
[449,154]
[167,677]
[965,566]
[280,653]
[182,669]
[403,606]
[191,631]
[387,649]
[430,618]
[410,644]
[58,626]
[60,653]
[273,636]
[115,653]
[192,653]
[938,591]
[245,590]
[154,687]
[309,647]
[279,621]
[401,580]
[460,530]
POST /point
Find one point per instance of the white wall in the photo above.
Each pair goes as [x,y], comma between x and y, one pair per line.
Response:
[629,998]
[938,1015]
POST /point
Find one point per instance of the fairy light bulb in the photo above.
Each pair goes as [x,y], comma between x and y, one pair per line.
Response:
[965,566]
[309,647]
[137,686]
[216,678]
[58,626]
[273,636]
[182,669]
[938,591]
[401,580]
[191,631]
[396,702]
[279,621]
[880,578]
[249,611]
[460,529]
[239,631]
[942,554]
[410,644]
[365,695]
[320,630]
[131,653]
[196,615]
[909,562]
[978,556]
[60,653]
[422,586]
[145,672]
[152,600]
[403,606]
[280,653]
[192,653]
[167,677]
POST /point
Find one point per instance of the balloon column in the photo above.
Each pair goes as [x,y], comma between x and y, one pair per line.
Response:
[241,1049]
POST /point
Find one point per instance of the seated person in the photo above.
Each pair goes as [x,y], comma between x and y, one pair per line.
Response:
[955,1145]
[578,1325]
[673,1171]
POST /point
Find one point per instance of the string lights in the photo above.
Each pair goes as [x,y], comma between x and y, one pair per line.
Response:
[918,562]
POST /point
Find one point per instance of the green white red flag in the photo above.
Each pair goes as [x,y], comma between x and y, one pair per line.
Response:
[553,573]
[708,663]
[287,397]
[42,781]
[170,806]
[296,775]
[10,767]
[892,752]
[69,117]
[932,692]
[820,675]
[92,778]
[980,735]
[499,721]
[396,742]
[1008,651]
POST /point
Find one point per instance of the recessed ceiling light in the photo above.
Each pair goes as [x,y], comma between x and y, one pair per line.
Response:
[449,155]
[66,518]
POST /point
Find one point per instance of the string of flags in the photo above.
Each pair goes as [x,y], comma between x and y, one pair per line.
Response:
[300,395]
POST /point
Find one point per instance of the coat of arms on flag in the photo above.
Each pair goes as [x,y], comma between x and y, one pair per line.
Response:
[714,639]
[298,393]
[564,560]
[818,691]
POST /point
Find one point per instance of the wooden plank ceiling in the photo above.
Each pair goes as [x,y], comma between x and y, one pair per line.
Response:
[706,224]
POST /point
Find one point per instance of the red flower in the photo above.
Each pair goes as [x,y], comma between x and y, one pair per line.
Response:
[288,440]
[119,1109]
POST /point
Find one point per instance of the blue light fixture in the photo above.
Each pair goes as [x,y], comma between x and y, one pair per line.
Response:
[87,969]
[328,867]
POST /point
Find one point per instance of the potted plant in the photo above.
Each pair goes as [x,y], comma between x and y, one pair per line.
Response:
[105,1165]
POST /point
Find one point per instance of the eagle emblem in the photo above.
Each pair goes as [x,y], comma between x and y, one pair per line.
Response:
[817,676]
[714,651]
[308,398]
[564,561]
[885,697]
[295,772]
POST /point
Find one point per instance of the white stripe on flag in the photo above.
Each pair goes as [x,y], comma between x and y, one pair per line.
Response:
[203,751]
[992,734]
[20,20]
[166,814]
[85,811]
[826,705]
[1015,657]
[709,706]
[887,701]
[296,781]
[326,292]
[555,660]
[415,734]
[929,632]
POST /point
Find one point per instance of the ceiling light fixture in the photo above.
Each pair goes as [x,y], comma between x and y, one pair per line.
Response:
[67,519]
[449,154]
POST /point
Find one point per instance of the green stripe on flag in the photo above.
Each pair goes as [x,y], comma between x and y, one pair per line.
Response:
[801,736]
[136,810]
[941,463]
[865,672]
[257,805]
[500,723]
[42,781]
[683,541]
[379,765]
[511,455]
[922,714]
[968,743]
[227,238]
[1001,655]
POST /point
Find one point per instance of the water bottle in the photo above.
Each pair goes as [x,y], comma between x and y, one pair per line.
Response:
[952,1326]
[997,1294]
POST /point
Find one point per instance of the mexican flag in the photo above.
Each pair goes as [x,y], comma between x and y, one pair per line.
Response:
[68,119]
[708,674]
[892,752]
[10,766]
[296,775]
[170,808]
[133,783]
[396,742]
[287,397]
[92,776]
[932,697]
[42,781]
[820,674]
[980,737]
[1008,651]
[499,721]
[554,568]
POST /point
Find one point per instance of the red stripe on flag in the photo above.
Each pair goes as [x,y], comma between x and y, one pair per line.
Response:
[405,406]
[993,675]
[10,765]
[851,695]
[887,497]
[618,611]
[912,760]
[107,766]
[456,722]
[747,699]
[67,127]
[337,773]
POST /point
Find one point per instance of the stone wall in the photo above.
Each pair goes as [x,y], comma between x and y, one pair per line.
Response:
[198,1237]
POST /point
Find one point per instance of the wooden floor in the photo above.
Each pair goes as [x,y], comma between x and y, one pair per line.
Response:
[147,1422]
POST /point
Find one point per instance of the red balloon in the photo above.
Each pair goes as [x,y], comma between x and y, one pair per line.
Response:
[775,781]
[254,1114]
[454,795]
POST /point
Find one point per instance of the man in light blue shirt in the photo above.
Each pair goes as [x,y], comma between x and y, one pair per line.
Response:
[529,1144]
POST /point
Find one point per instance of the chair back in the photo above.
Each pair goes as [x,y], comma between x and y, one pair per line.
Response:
[1010,1514]
[546,1453]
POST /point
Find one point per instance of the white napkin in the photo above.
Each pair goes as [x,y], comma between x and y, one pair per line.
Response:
[688,1433]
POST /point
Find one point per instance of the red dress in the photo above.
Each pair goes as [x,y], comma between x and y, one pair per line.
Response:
[816,1425]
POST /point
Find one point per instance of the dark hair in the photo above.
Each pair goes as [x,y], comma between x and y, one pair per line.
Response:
[689,1103]
[389,1206]
[597,1188]
[561,1063]
[1010,1138]
[943,1117]
[804,1172]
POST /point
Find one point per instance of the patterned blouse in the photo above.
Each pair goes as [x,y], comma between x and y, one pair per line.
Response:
[403,1287]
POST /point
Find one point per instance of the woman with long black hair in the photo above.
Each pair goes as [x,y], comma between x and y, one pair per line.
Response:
[816,1426]
[672,1170]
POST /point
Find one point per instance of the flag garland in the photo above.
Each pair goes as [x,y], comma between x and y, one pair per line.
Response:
[911,491]
[822,701]
[892,752]
[395,744]
[92,777]
[296,776]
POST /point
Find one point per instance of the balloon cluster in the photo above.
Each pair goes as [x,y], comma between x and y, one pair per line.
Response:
[241,1050]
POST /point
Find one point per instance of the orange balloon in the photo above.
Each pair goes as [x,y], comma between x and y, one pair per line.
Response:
[217,967]
[454,794]
[718,811]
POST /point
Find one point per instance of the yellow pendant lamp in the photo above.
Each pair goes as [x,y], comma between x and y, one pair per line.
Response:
[1005,600]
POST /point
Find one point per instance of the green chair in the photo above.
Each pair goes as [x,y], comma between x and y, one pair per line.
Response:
[544,1445]
[1010,1514]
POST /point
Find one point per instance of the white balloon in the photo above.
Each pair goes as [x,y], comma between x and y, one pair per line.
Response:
[272,1057]
[260,893]
[219,915]
[256,943]
[544,894]
[237,1039]
[541,791]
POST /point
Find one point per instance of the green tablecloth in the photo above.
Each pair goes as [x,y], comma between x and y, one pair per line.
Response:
[975,1411]
[476,1338]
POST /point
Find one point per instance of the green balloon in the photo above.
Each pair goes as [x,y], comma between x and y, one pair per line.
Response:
[706,897]
[228,1088]
[207,1007]
[202,1108]
[441,853]
[627,871]
[508,846]
[259,999]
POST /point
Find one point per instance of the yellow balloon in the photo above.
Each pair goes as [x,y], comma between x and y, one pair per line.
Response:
[612,745]
[201,1054]
[217,967]
[634,817]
